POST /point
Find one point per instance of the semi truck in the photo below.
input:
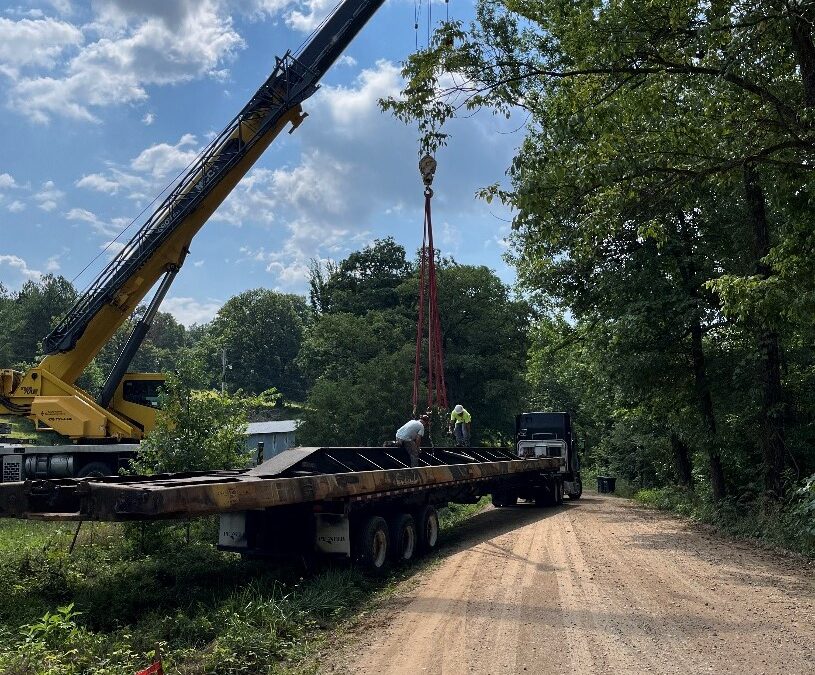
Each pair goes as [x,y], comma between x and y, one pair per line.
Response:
[366,504]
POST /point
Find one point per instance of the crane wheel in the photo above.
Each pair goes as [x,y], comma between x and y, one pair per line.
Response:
[404,538]
[427,527]
[95,470]
[372,543]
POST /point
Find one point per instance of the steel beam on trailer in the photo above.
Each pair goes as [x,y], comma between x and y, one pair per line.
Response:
[199,494]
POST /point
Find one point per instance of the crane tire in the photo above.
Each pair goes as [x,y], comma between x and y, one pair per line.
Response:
[95,469]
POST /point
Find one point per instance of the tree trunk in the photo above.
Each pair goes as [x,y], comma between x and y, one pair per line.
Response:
[801,28]
[773,447]
[705,398]
[682,460]
[701,385]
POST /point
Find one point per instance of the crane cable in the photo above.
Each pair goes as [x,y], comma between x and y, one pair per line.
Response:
[428,302]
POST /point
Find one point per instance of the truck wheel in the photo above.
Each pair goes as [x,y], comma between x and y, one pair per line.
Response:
[404,537]
[372,544]
[95,469]
[427,527]
[503,499]
[546,495]
[558,493]
[578,489]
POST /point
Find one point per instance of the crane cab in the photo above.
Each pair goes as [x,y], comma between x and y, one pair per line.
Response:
[137,399]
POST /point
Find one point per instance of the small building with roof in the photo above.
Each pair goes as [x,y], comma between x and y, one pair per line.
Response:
[276,436]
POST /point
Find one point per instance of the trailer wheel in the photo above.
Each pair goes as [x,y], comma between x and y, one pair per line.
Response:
[404,537]
[501,499]
[95,469]
[558,492]
[427,527]
[372,545]
[578,489]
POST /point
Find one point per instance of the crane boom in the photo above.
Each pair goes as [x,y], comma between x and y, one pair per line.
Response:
[47,393]
[161,241]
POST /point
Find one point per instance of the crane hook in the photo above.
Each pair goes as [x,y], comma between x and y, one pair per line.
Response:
[427,167]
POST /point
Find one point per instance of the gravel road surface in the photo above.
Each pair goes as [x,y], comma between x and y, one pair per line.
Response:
[595,586]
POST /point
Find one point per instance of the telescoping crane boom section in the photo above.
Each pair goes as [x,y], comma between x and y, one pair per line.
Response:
[158,248]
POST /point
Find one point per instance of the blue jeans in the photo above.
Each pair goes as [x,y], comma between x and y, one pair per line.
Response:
[462,434]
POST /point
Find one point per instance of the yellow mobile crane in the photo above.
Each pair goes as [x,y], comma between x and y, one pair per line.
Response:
[125,410]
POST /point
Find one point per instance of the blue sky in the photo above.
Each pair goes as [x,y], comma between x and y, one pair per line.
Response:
[104,102]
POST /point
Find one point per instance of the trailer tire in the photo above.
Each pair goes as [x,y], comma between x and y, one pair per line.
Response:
[372,545]
[404,538]
[579,491]
[95,469]
[559,492]
[427,528]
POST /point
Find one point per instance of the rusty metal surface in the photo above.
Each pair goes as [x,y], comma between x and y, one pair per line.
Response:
[268,485]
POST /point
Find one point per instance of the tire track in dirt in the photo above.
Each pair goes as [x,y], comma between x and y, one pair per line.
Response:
[596,586]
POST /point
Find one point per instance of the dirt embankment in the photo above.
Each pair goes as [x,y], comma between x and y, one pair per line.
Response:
[597,586]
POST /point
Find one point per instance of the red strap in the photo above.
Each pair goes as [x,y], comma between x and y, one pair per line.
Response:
[436,386]
[155,669]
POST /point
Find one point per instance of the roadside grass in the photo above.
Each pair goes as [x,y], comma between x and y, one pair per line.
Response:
[23,429]
[128,589]
[789,525]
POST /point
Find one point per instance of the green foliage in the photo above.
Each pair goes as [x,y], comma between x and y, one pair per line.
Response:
[261,331]
[789,524]
[196,430]
[127,588]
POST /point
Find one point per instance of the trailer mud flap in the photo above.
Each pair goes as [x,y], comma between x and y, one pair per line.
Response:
[232,531]
[332,533]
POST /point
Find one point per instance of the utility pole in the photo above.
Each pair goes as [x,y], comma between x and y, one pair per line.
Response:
[223,371]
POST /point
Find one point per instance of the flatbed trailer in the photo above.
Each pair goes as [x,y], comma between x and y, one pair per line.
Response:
[363,503]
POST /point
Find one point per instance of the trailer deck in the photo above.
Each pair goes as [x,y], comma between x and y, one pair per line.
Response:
[295,476]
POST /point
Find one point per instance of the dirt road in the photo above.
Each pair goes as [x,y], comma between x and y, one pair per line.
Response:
[597,586]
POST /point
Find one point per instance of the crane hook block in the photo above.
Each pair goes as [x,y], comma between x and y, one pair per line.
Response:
[427,167]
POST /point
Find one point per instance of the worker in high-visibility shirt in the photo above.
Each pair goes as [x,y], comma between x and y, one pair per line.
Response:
[460,421]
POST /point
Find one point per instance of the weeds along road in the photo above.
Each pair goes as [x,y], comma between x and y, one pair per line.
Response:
[596,586]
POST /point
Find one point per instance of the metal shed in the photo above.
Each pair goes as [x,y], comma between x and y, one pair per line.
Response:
[276,436]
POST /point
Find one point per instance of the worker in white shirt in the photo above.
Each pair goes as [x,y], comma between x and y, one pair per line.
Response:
[410,435]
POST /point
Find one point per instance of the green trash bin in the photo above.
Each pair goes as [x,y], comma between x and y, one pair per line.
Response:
[606,484]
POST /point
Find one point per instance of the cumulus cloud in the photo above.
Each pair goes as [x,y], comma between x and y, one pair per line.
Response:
[136,45]
[49,196]
[148,119]
[98,183]
[34,43]
[7,181]
[164,159]
[19,266]
[188,311]
[97,225]
[16,206]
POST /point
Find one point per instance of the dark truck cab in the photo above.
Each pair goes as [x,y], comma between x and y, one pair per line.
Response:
[549,434]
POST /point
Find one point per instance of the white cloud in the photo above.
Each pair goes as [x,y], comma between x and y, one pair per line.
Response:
[98,225]
[139,44]
[99,183]
[346,60]
[34,43]
[20,266]
[16,206]
[189,310]
[52,264]
[316,11]
[49,196]
[198,263]
[7,181]
[163,159]
[148,118]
